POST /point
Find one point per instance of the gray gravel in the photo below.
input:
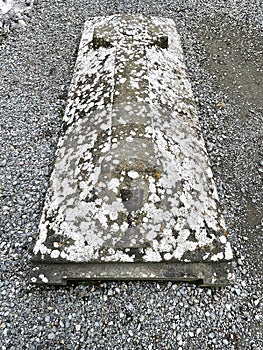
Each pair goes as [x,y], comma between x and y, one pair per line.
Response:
[223,47]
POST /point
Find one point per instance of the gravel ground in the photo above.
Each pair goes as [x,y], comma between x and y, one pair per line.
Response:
[223,47]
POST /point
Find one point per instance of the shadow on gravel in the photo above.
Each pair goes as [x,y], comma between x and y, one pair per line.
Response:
[231,57]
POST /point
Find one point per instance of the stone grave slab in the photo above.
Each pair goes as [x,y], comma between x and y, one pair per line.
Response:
[131,195]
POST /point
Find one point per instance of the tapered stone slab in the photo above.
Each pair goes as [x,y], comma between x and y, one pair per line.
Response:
[131,195]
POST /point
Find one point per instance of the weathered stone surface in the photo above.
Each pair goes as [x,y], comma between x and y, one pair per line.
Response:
[131,194]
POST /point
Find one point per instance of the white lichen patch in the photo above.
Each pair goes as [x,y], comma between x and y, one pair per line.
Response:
[131,180]
[43,278]
[133,174]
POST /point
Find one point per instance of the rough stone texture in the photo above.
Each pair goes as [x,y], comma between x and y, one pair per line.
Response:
[131,181]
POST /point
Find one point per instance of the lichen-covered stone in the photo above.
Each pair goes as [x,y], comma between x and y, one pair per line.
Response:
[131,181]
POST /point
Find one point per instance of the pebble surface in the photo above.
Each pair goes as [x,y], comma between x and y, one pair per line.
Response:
[223,51]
